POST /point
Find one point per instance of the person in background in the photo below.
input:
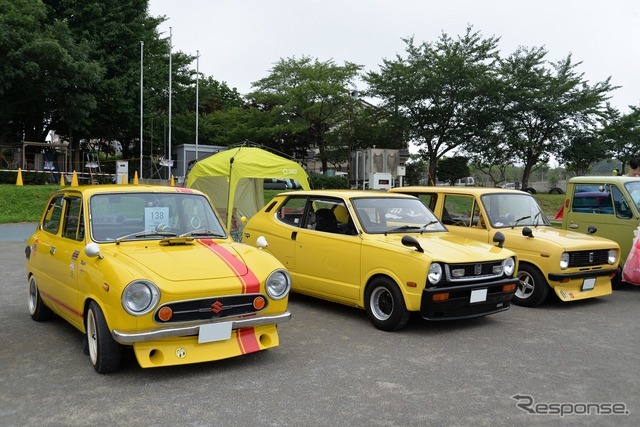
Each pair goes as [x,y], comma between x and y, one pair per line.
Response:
[634,167]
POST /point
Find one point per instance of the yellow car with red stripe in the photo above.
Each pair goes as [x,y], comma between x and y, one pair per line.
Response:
[153,268]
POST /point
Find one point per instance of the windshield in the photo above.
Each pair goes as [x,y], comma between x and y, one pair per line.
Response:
[395,215]
[128,216]
[513,210]
[634,190]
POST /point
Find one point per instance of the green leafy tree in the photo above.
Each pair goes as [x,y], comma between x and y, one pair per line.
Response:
[436,94]
[542,106]
[305,100]
[451,169]
[621,134]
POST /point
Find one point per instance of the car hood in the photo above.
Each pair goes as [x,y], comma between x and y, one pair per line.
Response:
[198,260]
[449,247]
[567,239]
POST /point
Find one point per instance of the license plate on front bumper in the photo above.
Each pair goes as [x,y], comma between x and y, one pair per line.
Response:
[214,332]
[478,295]
[589,284]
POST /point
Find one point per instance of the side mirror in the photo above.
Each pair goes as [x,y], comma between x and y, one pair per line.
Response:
[499,239]
[261,242]
[411,242]
[592,229]
[93,250]
[527,232]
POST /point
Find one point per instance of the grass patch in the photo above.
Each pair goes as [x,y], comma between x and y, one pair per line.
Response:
[23,204]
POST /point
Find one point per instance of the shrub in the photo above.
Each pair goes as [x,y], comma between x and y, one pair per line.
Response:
[320,181]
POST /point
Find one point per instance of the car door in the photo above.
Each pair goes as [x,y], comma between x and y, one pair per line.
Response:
[327,257]
[462,215]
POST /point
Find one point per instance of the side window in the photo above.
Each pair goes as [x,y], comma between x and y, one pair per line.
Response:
[591,198]
[73,227]
[458,210]
[620,204]
[51,222]
[428,199]
[292,211]
[330,216]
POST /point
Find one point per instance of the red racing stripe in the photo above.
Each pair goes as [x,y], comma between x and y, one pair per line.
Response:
[247,340]
[250,283]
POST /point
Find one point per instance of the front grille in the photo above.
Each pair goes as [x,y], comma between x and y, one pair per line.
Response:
[588,258]
[473,271]
[211,308]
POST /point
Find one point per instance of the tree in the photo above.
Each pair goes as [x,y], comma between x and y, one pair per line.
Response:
[305,100]
[452,168]
[47,77]
[621,134]
[435,94]
[542,108]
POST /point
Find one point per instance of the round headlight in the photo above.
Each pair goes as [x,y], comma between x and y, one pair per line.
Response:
[612,256]
[278,284]
[435,273]
[140,297]
[508,266]
[564,260]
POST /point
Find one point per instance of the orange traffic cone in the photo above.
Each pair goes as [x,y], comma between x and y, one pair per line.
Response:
[19,178]
[61,180]
[173,183]
[124,179]
[135,178]
[74,179]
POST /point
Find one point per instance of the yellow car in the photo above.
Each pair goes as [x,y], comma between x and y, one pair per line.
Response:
[575,265]
[153,268]
[386,253]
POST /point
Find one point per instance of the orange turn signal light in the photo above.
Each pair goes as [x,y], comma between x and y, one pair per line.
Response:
[259,303]
[440,297]
[165,314]
[509,288]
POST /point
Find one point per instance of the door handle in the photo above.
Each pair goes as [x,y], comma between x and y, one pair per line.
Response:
[294,235]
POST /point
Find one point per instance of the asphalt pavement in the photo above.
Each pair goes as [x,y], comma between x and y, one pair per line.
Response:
[562,363]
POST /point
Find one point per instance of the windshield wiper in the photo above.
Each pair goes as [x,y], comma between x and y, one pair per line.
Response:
[424,227]
[520,219]
[145,233]
[536,218]
[402,228]
[201,233]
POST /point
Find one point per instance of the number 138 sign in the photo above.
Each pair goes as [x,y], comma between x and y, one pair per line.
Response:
[155,216]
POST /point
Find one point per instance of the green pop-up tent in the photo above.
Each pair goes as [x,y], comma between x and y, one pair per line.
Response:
[234,180]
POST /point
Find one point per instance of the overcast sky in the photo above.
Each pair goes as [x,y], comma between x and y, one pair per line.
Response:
[240,40]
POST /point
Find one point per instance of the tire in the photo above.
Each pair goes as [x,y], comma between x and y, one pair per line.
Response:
[531,190]
[532,288]
[38,311]
[105,353]
[556,190]
[616,282]
[385,305]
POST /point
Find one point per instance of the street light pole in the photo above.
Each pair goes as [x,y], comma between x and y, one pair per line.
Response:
[141,100]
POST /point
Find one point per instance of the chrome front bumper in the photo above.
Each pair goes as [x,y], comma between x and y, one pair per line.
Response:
[183,331]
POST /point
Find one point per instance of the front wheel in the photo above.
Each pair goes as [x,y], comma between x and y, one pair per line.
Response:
[37,309]
[104,351]
[532,288]
[385,305]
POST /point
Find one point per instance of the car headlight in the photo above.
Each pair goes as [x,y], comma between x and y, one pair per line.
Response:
[508,266]
[140,297]
[435,273]
[612,256]
[564,260]
[278,284]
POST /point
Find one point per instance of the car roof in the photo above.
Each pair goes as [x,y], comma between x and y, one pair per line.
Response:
[599,179]
[457,190]
[89,190]
[348,194]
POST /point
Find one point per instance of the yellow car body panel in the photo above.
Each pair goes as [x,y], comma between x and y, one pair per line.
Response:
[202,276]
[542,249]
[338,265]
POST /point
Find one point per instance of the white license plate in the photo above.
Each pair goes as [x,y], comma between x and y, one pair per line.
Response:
[214,332]
[478,295]
[589,284]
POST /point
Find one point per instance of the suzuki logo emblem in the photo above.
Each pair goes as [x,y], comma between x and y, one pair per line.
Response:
[590,257]
[216,307]
[478,269]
